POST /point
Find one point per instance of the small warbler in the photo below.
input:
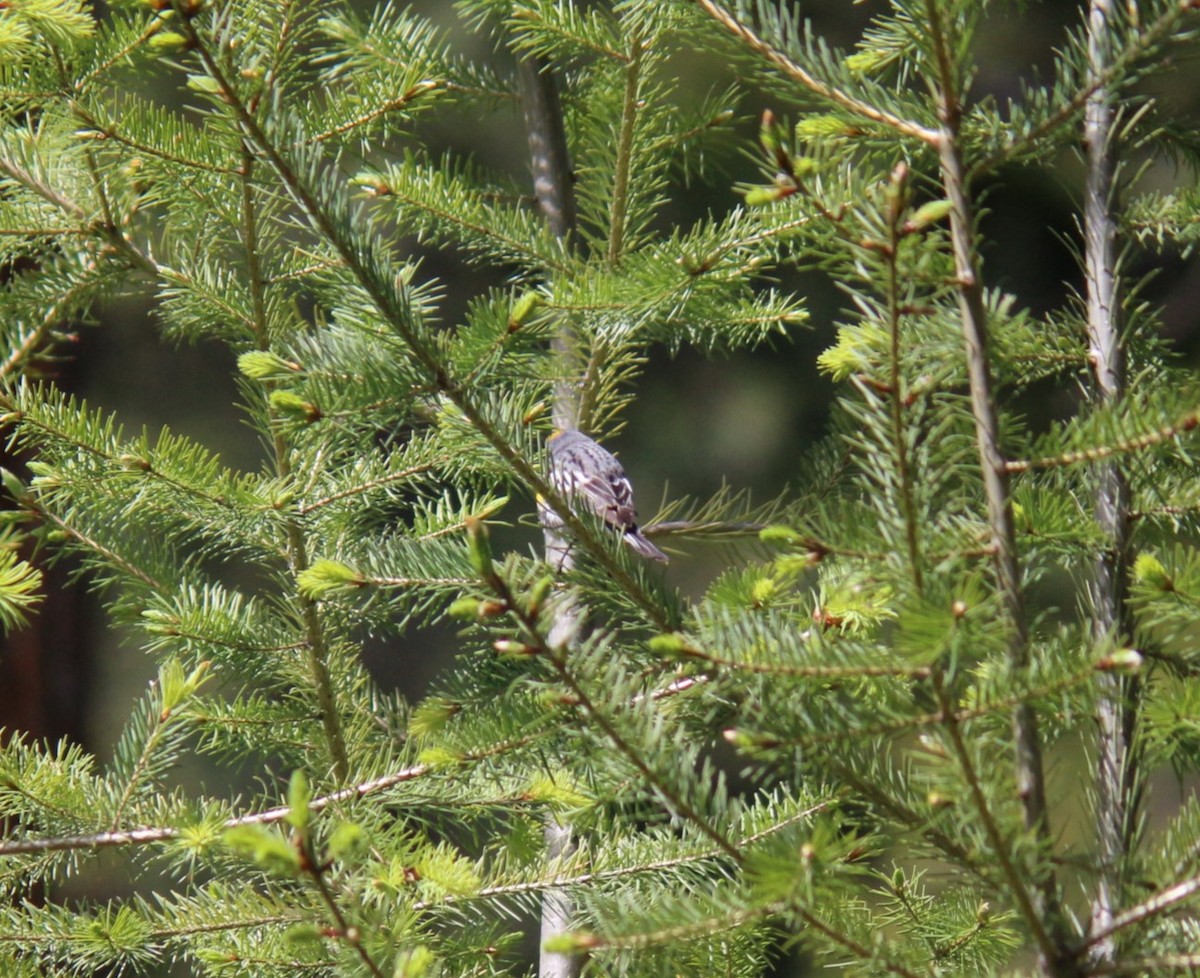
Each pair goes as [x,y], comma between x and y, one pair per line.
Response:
[580,468]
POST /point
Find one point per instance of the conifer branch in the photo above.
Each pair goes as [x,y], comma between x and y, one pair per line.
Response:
[898,196]
[96,840]
[423,354]
[169,833]
[820,88]
[637,869]
[1099,78]
[915,820]
[32,232]
[747,915]
[557,655]
[180,279]
[368,486]
[1025,900]
[318,658]
[36,337]
[1162,901]
[19,174]
[618,209]
[1152,511]
[100,190]
[153,27]
[238,923]
[109,555]
[674,800]
[1181,426]
[416,581]
[108,131]
[702,928]
[159,723]
[316,644]
[107,231]
[931,719]
[618,219]
[859,950]
[316,870]
[390,105]
[134,463]
[448,210]
[676,686]
[815,671]
[1044,917]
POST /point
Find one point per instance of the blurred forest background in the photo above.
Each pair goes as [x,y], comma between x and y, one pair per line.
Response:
[696,423]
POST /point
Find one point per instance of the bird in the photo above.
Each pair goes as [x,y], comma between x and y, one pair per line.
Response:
[582,469]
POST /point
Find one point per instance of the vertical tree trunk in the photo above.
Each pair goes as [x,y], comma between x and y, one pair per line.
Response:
[552,187]
[1115,800]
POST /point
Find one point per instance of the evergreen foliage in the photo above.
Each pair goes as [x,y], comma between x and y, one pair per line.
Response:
[886,663]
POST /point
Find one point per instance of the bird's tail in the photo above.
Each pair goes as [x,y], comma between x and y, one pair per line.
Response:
[637,540]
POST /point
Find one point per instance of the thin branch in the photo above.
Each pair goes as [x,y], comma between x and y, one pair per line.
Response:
[297,548]
[400,476]
[935,718]
[896,393]
[1099,453]
[798,73]
[43,190]
[815,671]
[520,245]
[37,336]
[1161,902]
[350,934]
[861,951]
[150,834]
[739,918]
[153,26]
[704,927]
[62,232]
[558,657]
[101,132]
[239,923]
[108,554]
[142,836]
[1099,78]
[917,821]
[1043,913]
[601,876]
[674,800]
[107,232]
[1031,913]
[159,722]
[417,581]
[630,107]
[390,105]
